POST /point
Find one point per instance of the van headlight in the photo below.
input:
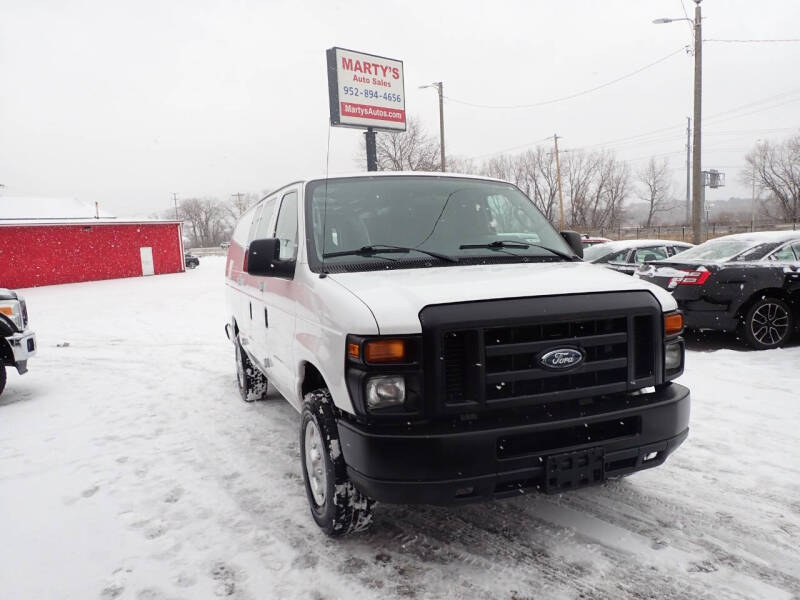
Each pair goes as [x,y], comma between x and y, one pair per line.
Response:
[13,309]
[385,391]
[673,356]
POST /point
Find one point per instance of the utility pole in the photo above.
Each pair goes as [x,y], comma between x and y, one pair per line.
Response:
[372,150]
[558,176]
[440,89]
[688,169]
[175,202]
[753,202]
[697,175]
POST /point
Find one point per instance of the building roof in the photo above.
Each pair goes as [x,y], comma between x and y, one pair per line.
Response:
[33,210]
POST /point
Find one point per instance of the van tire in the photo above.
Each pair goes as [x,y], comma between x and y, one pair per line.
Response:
[252,383]
[2,378]
[337,506]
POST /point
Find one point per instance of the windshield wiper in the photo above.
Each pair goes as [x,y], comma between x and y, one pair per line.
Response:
[374,249]
[500,244]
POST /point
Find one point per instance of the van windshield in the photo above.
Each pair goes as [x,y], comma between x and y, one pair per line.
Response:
[468,220]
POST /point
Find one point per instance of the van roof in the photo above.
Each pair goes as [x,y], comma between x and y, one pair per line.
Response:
[370,174]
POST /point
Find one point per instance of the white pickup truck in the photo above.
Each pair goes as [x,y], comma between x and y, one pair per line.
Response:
[444,344]
[17,342]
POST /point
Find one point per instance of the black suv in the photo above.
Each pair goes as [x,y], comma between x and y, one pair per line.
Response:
[191,260]
[747,282]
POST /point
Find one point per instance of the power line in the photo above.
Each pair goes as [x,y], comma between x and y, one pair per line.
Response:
[519,147]
[575,95]
[755,41]
[649,138]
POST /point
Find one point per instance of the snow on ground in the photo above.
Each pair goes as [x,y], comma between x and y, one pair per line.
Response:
[129,468]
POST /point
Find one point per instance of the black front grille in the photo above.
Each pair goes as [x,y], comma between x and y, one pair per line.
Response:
[493,359]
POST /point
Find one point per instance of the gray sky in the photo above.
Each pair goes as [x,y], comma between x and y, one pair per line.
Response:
[126,102]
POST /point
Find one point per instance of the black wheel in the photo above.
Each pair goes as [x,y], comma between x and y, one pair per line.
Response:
[336,505]
[768,324]
[2,378]
[252,382]
[191,265]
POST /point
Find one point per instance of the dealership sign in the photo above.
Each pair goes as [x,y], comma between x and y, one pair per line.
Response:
[366,91]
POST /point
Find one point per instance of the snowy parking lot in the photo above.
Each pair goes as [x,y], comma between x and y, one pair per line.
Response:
[130,468]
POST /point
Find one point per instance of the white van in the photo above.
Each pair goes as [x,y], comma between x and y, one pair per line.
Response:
[444,344]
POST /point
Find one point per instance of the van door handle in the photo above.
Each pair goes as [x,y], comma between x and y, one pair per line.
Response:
[266,318]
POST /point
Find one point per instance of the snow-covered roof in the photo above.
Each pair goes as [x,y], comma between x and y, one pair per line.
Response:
[87,222]
[763,236]
[25,211]
[50,209]
[623,244]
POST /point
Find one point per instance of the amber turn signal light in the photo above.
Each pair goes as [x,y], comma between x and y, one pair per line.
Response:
[673,323]
[353,351]
[385,351]
[7,310]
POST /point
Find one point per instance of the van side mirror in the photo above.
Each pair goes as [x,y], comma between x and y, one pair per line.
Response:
[262,259]
[573,238]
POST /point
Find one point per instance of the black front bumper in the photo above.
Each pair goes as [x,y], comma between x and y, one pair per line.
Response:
[454,465]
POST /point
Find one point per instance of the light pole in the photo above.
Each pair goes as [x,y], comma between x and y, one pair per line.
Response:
[697,176]
[438,86]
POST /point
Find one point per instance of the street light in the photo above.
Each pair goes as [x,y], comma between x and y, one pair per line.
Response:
[697,176]
[438,86]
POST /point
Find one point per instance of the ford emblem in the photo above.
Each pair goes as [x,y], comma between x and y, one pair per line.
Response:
[561,358]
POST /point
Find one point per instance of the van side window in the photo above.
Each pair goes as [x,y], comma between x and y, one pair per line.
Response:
[256,221]
[263,230]
[286,228]
[242,230]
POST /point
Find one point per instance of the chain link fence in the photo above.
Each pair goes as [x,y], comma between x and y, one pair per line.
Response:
[683,233]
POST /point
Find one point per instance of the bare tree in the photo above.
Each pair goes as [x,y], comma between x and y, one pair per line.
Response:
[655,188]
[598,185]
[533,171]
[205,220]
[777,170]
[462,164]
[411,150]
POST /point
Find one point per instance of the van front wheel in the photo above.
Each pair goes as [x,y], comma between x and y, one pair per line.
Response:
[336,505]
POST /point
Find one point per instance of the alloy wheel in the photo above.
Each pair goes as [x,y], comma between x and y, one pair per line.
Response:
[769,324]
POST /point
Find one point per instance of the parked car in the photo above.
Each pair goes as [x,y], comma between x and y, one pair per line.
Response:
[588,241]
[191,261]
[444,344]
[625,256]
[748,282]
[18,342]
[225,245]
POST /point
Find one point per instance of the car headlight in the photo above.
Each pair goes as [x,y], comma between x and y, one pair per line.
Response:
[385,391]
[13,309]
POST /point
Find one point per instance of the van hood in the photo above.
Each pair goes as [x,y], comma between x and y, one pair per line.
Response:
[396,297]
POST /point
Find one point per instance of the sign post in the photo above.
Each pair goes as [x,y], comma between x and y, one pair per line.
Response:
[366,91]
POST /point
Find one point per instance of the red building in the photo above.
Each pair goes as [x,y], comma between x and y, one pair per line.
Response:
[51,241]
